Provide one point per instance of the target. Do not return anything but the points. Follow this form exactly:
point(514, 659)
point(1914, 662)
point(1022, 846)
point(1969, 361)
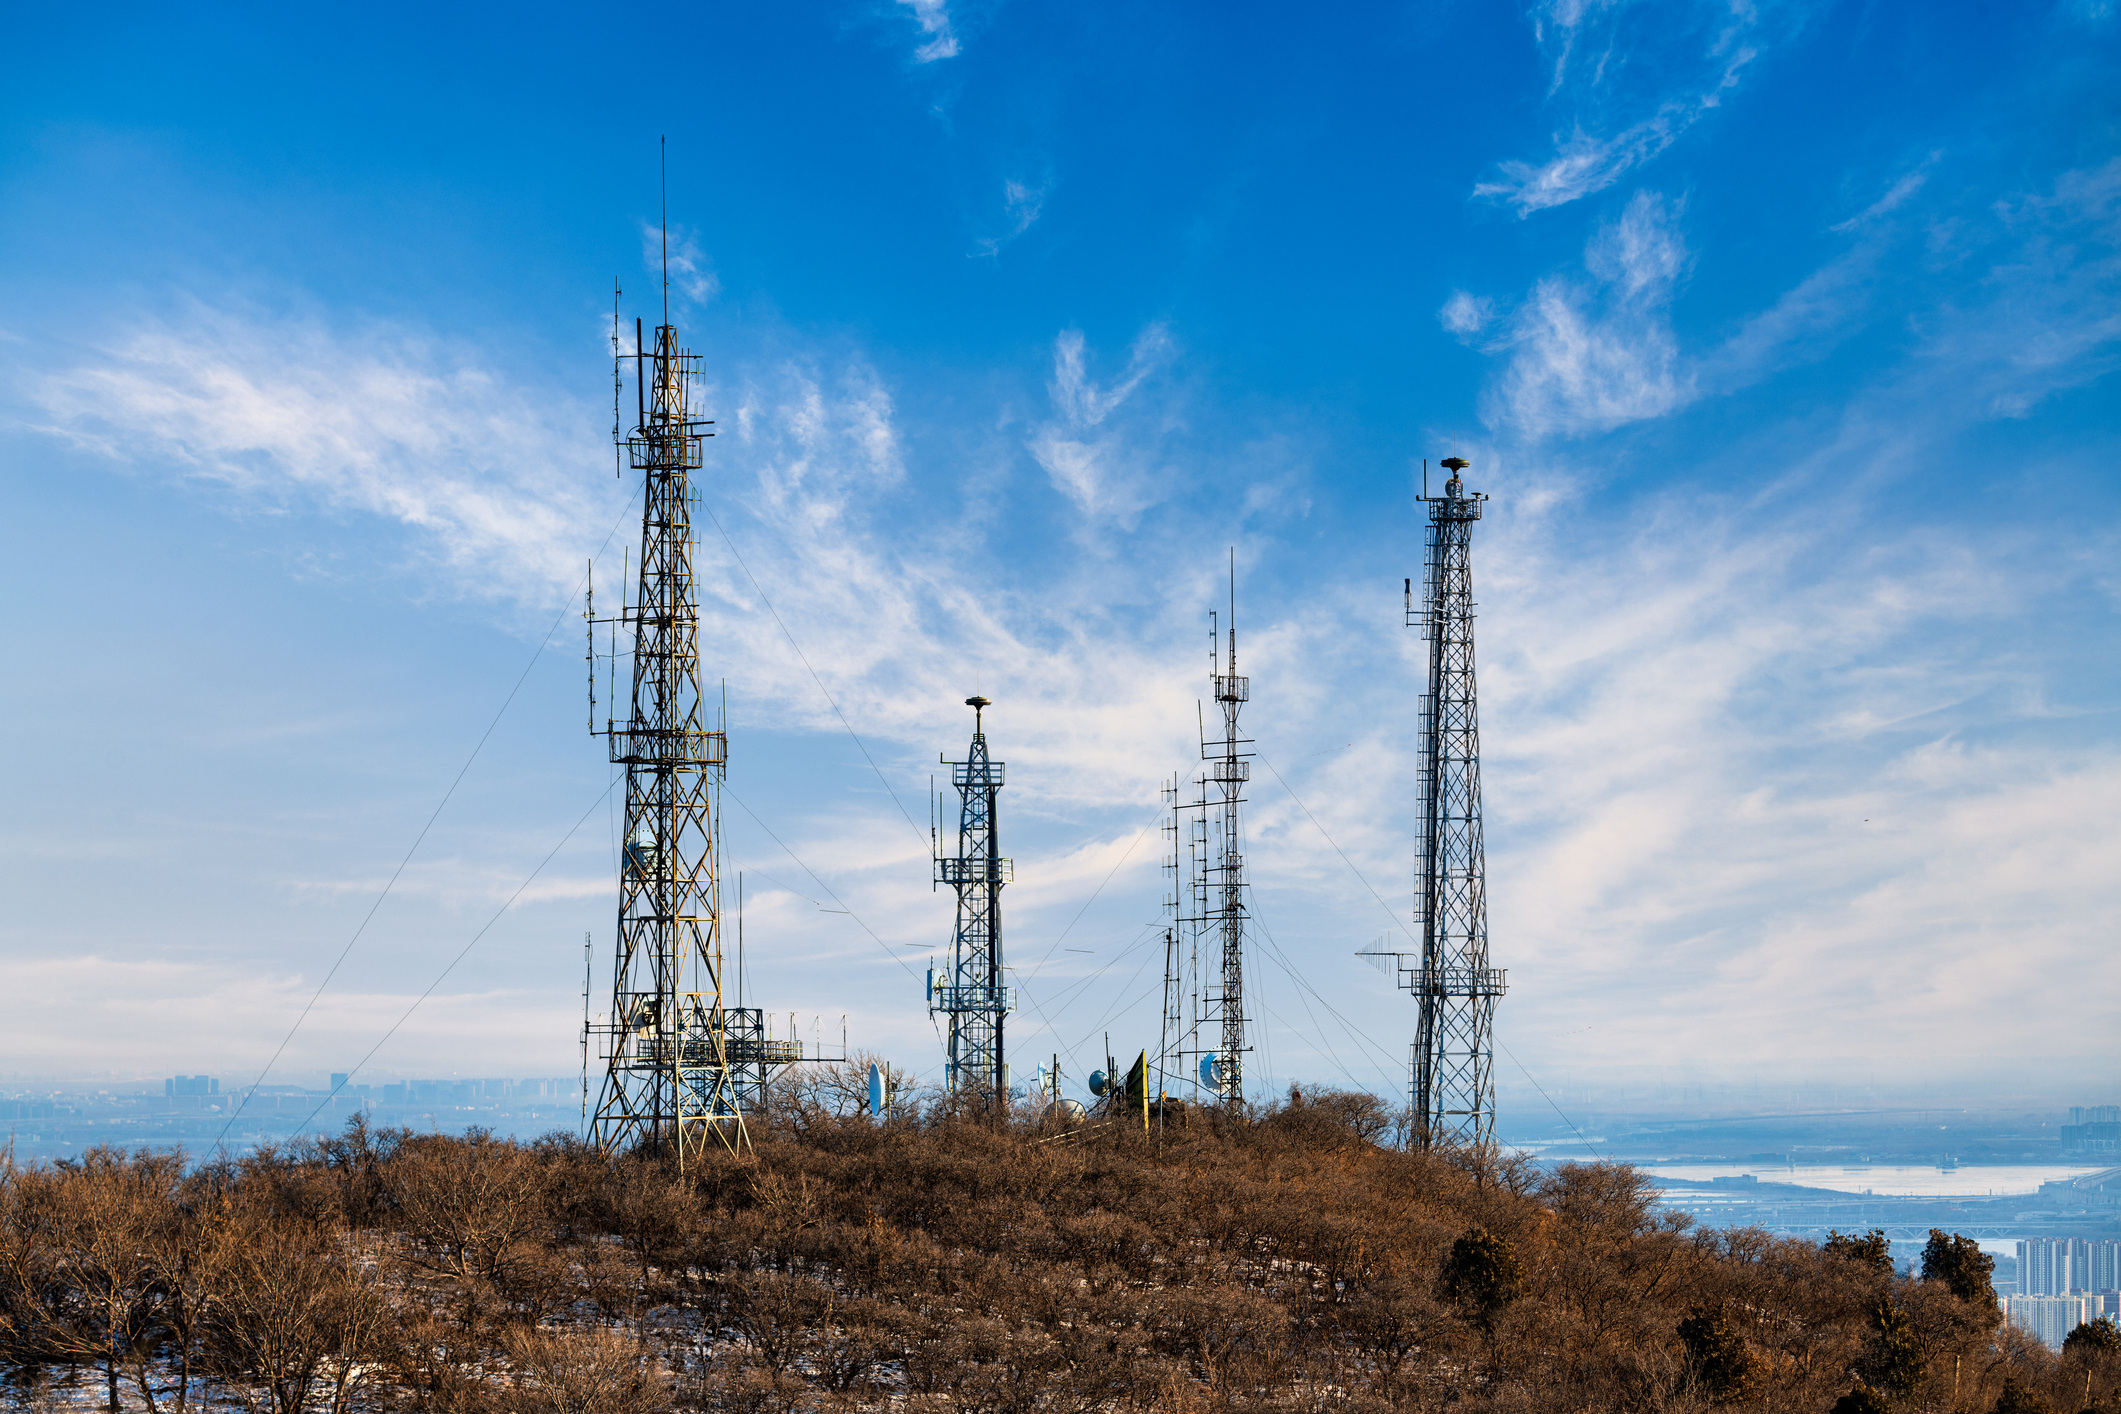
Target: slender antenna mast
point(665, 151)
point(1171, 1040)
point(1216, 846)
point(586, 965)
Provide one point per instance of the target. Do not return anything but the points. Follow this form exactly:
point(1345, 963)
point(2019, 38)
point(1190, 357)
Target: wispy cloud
point(1466, 314)
point(1021, 205)
point(1724, 702)
point(384, 421)
point(933, 17)
point(692, 276)
point(1591, 355)
point(1584, 163)
point(2046, 316)
point(1895, 197)
point(1588, 353)
point(502, 489)
point(1110, 472)
point(1694, 59)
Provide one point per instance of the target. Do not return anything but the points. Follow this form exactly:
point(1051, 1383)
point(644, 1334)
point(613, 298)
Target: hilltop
point(1284, 1259)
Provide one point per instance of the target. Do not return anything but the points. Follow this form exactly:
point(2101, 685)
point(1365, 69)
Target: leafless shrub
point(582, 1372)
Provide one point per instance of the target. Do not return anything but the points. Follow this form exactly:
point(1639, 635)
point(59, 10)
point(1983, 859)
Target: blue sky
point(1784, 337)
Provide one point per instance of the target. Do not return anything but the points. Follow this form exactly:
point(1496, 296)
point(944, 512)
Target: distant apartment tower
point(2057, 1266)
point(190, 1085)
point(2093, 1129)
point(2050, 1319)
point(2095, 1263)
point(2044, 1266)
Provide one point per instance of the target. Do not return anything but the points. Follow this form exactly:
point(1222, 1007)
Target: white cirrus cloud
point(383, 420)
point(1591, 355)
point(1021, 204)
point(1603, 53)
point(940, 39)
point(1466, 314)
point(2038, 311)
point(1108, 465)
point(677, 252)
point(1896, 196)
point(500, 490)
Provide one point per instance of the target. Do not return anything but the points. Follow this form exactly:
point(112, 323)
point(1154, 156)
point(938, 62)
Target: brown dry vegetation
point(1285, 1260)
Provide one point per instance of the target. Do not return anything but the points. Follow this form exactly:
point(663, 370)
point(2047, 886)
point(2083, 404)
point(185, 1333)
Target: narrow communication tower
point(1173, 1035)
point(972, 993)
point(681, 1068)
point(1216, 846)
point(1452, 1081)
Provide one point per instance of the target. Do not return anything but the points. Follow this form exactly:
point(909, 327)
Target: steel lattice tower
point(1452, 1085)
point(972, 994)
point(680, 1067)
point(1216, 845)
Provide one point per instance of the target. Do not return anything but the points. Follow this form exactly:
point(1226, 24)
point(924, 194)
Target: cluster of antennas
point(683, 1065)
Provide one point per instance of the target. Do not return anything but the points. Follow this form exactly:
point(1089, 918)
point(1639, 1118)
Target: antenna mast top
point(663, 147)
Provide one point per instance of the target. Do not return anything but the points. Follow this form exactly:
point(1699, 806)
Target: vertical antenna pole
point(663, 147)
point(589, 617)
point(586, 966)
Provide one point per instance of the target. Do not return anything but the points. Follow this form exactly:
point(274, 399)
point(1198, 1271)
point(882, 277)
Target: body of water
point(1889, 1180)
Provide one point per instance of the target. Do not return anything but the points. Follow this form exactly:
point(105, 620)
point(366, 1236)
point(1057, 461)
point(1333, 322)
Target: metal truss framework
point(1209, 963)
point(681, 1068)
point(1452, 1080)
point(972, 993)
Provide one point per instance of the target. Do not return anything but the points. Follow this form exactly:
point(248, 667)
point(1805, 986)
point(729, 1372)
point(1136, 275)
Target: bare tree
point(82, 1286)
point(470, 1206)
point(294, 1314)
point(586, 1372)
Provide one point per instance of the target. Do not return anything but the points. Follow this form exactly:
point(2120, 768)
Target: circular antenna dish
point(978, 702)
point(1098, 1084)
point(1454, 463)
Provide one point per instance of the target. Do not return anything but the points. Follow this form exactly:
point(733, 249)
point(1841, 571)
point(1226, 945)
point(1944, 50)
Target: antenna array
point(680, 1066)
point(1208, 968)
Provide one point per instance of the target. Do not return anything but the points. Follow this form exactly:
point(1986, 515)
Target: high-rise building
point(2093, 1129)
point(2050, 1319)
point(2102, 1264)
point(2044, 1266)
